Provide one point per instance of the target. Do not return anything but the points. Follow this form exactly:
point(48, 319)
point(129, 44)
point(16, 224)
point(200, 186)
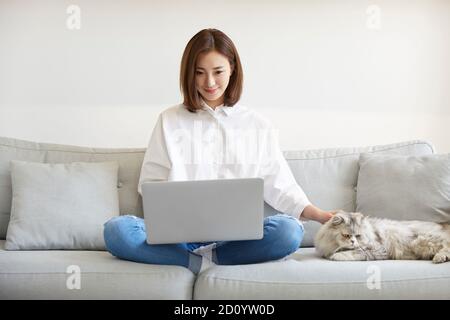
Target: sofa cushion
point(53, 274)
point(304, 275)
point(404, 187)
point(61, 206)
point(129, 159)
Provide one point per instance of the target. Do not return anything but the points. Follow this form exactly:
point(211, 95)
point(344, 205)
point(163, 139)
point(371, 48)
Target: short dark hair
point(205, 41)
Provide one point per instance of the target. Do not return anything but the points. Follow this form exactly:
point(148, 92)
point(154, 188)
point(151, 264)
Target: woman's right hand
point(312, 212)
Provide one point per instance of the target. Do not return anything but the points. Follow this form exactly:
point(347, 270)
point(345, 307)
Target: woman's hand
point(311, 212)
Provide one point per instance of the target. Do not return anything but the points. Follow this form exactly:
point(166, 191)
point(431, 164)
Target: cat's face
point(348, 229)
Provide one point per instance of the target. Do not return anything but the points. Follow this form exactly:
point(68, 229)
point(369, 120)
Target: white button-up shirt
point(221, 143)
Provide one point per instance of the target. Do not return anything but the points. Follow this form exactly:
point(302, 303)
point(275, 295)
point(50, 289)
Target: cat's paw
point(349, 255)
point(440, 258)
point(341, 256)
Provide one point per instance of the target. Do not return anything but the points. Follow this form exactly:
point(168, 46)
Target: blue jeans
point(126, 238)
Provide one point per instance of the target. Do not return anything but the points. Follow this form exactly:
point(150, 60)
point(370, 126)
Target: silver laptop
point(203, 210)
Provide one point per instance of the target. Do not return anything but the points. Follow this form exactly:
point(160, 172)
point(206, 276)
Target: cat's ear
point(359, 216)
point(337, 220)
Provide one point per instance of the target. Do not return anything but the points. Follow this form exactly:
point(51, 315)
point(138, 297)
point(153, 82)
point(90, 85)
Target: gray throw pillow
point(404, 187)
point(61, 206)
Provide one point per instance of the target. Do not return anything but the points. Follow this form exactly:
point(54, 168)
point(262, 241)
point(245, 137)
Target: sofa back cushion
point(129, 161)
point(328, 176)
point(61, 206)
point(404, 187)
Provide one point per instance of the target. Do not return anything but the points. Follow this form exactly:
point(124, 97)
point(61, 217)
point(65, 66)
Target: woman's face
point(212, 75)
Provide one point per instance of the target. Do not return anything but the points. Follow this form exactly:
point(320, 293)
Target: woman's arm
point(312, 212)
point(282, 191)
point(156, 164)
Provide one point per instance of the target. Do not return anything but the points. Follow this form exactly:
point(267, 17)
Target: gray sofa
point(329, 178)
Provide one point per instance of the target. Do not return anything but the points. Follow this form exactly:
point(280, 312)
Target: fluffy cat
point(351, 236)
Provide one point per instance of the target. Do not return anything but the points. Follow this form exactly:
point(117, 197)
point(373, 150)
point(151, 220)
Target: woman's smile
point(211, 91)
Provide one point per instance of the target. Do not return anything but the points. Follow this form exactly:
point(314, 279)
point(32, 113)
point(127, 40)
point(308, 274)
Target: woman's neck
point(214, 104)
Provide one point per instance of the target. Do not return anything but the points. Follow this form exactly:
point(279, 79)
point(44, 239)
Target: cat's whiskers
point(364, 251)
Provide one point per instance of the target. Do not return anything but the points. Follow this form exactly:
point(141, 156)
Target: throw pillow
point(404, 187)
point(61, 206)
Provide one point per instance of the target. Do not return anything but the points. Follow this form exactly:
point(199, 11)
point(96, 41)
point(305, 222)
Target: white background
point(328, 73)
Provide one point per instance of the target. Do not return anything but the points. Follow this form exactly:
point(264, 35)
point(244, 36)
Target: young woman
point(212, 136)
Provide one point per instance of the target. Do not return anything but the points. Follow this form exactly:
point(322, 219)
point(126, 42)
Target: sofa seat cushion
point(304, 275)
point(45, 274)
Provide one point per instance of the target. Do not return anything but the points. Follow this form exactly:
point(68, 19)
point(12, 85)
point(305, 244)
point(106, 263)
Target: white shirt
point(225, 143)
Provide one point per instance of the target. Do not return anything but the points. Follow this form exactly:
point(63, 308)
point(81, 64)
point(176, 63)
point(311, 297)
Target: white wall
point(329, 73)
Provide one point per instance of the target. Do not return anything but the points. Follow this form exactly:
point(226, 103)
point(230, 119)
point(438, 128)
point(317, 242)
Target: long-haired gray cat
point(351, 236)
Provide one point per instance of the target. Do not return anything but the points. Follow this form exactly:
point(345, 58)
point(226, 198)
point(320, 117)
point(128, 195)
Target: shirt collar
point(221, 108)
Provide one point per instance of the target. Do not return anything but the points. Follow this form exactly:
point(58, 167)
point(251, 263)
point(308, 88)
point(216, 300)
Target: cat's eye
point(346, 236)
point(358, 236)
